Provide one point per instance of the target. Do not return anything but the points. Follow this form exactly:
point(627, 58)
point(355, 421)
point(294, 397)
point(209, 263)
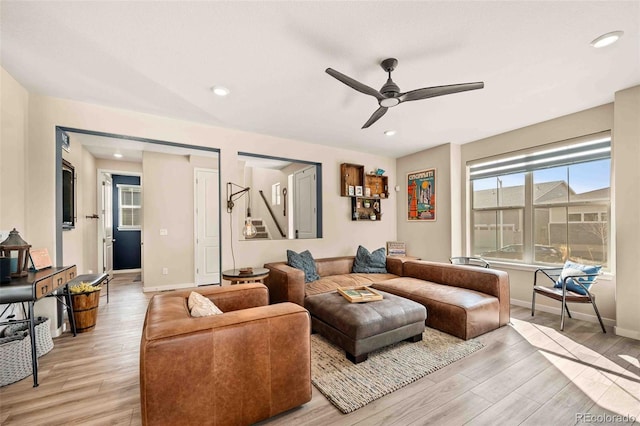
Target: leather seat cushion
point(459, 311)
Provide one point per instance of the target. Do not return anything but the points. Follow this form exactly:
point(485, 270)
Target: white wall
point(167, 202)
point(14, 111)
point(14, 105)
point(120, 166)
point(80, 243)
point(626, 157)
point(341, 236)
point(430, 240)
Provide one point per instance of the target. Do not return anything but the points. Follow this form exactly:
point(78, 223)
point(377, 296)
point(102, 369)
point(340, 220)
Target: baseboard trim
point(168, 288)
point(625, 332)
point(126, 271)
point(556, 310)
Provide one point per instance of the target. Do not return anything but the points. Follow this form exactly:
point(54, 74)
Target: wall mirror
point(284, 199)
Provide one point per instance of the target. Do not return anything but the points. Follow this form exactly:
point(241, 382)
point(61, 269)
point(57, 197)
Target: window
point(130, 207)
point(275, 194)
point(544, 206)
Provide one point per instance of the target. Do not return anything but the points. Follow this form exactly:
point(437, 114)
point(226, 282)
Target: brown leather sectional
point(248, 364)
point(464, 301)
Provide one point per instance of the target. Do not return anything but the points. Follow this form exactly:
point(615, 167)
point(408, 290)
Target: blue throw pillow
point(571, 269)
point(305, 262)
point(370, 263)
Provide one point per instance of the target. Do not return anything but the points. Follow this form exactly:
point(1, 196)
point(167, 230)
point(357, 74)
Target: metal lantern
point(15, 243)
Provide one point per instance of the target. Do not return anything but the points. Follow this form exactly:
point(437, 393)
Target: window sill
point(606, 276)
point(121, 229)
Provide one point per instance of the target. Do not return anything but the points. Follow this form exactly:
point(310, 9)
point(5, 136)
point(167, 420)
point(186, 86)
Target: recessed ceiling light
point(220, 90)
point(607, 39)
point(117, 155)
point(389, 132)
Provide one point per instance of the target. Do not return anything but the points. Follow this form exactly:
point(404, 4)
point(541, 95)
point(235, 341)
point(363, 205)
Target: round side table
point(257, 276)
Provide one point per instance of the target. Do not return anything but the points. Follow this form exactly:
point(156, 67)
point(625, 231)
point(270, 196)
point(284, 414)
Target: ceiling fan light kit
point(390, 95)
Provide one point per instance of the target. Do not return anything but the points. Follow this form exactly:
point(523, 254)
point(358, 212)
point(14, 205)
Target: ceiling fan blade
point(375, 116)
point(430, 92)
point(362, 88)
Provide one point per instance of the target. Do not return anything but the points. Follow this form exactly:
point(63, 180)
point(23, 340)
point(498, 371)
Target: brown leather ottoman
point(360, 328)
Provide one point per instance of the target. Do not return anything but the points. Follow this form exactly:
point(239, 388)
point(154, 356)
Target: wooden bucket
point(85, 310)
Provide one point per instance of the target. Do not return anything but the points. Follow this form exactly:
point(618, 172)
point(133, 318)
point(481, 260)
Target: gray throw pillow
point(370, 263)
point(305, 262)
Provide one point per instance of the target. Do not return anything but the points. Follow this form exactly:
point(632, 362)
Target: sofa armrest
point(228, 298)
point(285, 283)
point(394, 265)
point(236, 368)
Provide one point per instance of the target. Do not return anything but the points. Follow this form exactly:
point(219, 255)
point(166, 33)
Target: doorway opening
point(143, 197)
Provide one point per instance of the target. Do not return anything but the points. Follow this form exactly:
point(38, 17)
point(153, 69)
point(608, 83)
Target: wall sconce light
point(248, 230)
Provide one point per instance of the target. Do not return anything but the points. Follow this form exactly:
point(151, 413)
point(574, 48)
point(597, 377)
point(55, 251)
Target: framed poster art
point(421, 195)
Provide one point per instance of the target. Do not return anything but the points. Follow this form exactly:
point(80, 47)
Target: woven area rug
point(351, 386)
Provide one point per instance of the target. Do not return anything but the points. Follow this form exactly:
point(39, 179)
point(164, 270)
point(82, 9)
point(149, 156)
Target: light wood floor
point(528, 373)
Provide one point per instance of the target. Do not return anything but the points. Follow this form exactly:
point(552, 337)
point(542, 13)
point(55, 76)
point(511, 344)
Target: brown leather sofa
point(245, 365)
point(464, 301)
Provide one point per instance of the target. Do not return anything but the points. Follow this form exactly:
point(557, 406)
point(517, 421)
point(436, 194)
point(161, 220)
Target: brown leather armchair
point(240, 367)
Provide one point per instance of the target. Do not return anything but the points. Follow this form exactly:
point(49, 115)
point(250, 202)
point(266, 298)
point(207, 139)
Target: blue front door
point(127, 251)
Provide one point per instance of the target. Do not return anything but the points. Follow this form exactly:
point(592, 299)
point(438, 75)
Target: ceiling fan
point(390, 95)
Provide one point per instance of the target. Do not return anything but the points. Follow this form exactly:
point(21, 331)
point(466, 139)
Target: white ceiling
point(162, 58)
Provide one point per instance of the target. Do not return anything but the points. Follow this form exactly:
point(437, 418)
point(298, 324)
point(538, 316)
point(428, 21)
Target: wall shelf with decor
point(366, 191)
point(365, 208)
point(376, 186)
point(355, 183)
point(351, 177)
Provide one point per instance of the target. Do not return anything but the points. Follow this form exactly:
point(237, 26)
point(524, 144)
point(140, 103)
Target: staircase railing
point(266, 203)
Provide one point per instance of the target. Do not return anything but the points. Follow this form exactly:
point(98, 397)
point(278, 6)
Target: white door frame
point(100, 228)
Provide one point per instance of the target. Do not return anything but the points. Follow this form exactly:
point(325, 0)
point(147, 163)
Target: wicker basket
point(15, 358)
point(44, 342)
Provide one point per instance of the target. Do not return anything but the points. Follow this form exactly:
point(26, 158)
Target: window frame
point(529, 208)
point(131, 188)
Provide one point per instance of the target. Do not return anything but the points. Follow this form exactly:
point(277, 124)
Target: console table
point(32, 288)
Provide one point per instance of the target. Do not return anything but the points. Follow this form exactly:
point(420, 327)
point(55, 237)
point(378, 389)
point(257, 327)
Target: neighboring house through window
point(544, 206)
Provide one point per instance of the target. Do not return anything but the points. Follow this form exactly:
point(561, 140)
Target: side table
point(256, 276)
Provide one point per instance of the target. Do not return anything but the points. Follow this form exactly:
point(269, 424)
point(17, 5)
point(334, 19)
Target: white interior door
point(207, 232)
point(106, 215)
point(304, 203)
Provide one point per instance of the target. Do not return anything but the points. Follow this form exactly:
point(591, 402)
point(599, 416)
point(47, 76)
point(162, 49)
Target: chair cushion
point(571, 269)
point(370, 263)
point(303, 261)
point(556, 293)
point(200, 306)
